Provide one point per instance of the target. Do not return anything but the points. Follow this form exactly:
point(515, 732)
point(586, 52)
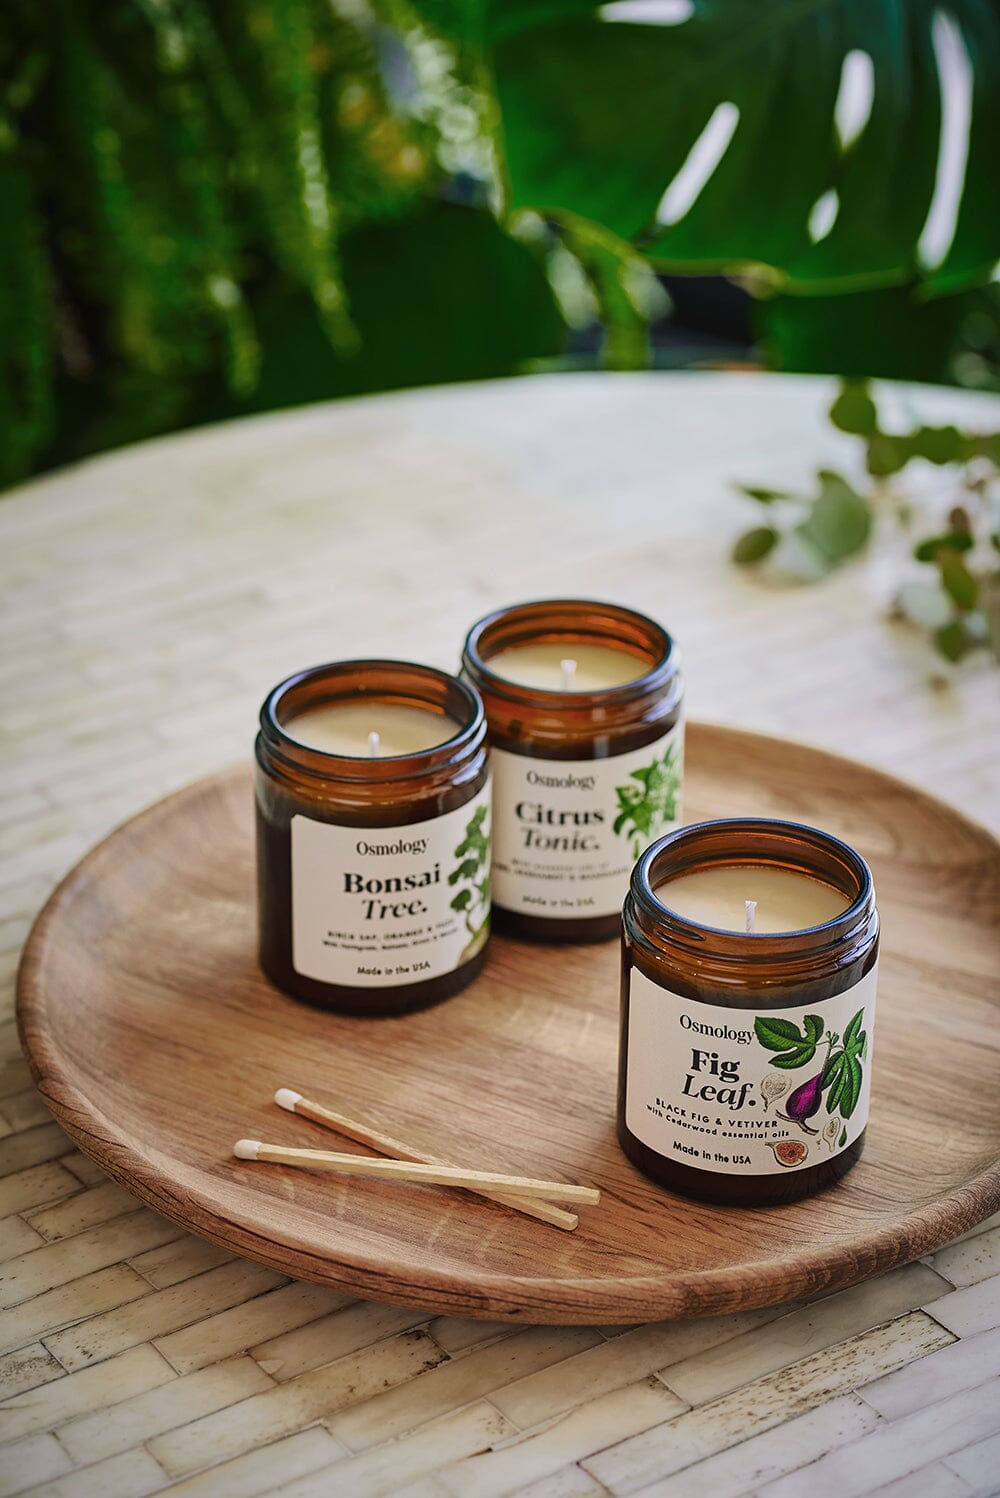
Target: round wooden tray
point(157, 1043)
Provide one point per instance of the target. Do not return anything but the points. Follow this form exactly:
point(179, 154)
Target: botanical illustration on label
point(748, 1093)
point(567, 832)
point(374, 907)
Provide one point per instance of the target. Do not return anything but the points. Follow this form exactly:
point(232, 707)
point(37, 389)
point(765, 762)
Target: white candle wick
point(568, 674)
point(374, 744)
point(751, 910)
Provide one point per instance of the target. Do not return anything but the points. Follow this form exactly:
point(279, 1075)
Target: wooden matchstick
point(385, 1144)
point(404, 1170)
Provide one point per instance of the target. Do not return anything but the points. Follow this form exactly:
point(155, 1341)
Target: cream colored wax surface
point(597, 667)
point(786, 901)
point(345, 728)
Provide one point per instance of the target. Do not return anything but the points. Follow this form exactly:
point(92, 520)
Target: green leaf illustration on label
point(837, 1084)
point(646, 807)
point(472, 874)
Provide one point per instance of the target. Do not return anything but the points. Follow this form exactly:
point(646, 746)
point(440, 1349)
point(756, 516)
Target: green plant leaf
point(650, 804)
point(952, 640)
point(928, 549)
point(839, 521)
point(893, 332)
point(982, 445)
point(843, 1138)
point(854, 410)
point(831, 1071)
point(839, 1082)
point(854, 1030)
point(763, 496)
point(958, 581)
point(851, 1090)
point(777, 1034)
point(937, 444)
point(599, 114)
point(754, 545)
point(462, 900)
point(814, 1025)
point(800, 1056)
point(886, 455)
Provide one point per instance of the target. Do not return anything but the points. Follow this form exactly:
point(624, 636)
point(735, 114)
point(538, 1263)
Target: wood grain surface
point(148, 598)
point(156, 1042)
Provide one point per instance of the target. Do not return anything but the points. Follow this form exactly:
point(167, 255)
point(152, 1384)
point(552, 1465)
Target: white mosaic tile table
point(148, 600)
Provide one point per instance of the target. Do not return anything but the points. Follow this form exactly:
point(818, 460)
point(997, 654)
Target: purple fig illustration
point(803, 1103)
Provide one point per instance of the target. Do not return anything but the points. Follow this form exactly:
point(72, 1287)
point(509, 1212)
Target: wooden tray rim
point(543, 1301)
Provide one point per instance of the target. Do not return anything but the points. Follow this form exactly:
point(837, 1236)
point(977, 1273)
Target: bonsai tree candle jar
point(748, 1004)
point(373, 814)
point(583, 702)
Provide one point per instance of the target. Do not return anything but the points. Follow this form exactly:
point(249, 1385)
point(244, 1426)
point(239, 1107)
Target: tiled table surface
point(148, 600)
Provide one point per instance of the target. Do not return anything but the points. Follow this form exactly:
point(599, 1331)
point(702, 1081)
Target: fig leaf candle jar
point(749, 967)
point(373, 812)
point(583, 702)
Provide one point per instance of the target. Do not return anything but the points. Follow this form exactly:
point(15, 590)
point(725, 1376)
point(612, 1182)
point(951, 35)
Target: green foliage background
point(210, 207)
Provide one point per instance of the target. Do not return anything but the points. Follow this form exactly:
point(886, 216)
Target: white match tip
point(286, 1098)
point(751, 912)
point(246, 1149)
point(568, 668)
point(374, 745)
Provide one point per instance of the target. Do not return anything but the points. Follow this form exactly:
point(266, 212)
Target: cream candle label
point(567, 832)
point(744, 1092)
point(374, 907)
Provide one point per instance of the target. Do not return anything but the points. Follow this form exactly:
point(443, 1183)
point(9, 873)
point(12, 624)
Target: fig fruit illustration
point(790, 1152)
point(772, 1088)
point(803, 1103)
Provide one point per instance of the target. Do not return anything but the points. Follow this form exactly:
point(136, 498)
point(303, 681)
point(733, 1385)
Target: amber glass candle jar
point(583, 702)
point(372, 791)
point(745, 1059)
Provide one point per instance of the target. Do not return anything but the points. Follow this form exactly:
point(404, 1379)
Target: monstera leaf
point(843, 133)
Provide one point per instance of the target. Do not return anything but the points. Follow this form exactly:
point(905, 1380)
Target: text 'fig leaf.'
point(600, 116)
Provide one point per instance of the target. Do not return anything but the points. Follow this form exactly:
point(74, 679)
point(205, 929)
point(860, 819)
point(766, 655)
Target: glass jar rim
point(657, 675)
point(739, 945)
point(455, 698)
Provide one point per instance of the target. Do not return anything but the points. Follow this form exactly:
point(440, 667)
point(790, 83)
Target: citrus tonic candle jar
point(583, 702)
point(748, 1003)
point(373, 813)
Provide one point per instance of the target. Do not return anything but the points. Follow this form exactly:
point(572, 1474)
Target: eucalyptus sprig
point(819, 532)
